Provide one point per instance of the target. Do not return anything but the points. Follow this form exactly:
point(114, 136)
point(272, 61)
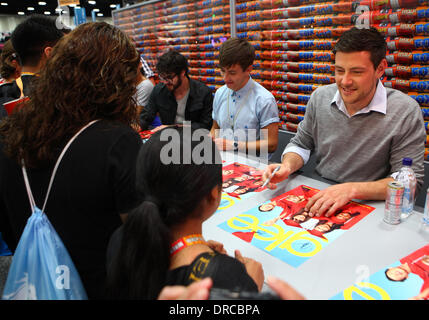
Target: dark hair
point(32, 36)
point(355, 40)
point(229, 181)
point(91, 74)
point(172, 195)
point(249, 189)
point(331, 228)
point(172, 62)
point(236, 51)
point(8, 55)
point(259, 208)
point(352, 214)
point(386, 273)
point(301, 212)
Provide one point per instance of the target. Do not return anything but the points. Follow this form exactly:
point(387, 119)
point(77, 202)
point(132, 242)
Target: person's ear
point(14, 63)
point(381, 67)
point(215, 194)
point(214, 197)
point(182, 74)
point(17, 67)
point(47, 51)
point(212, 200)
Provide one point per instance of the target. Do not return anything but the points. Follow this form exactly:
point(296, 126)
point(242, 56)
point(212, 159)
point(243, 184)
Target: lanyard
point(232, 123)
point(184, 242)
point(20, 84)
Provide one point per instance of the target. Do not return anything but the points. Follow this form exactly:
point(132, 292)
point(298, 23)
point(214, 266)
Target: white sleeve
point(303, 153)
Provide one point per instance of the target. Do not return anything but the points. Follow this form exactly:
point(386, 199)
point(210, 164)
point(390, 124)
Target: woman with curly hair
point(91, 75)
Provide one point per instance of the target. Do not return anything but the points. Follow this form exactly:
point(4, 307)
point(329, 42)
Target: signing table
point(367, 247)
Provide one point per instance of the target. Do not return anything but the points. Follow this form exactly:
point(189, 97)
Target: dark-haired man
point(358, 130)
point(33, 40)
point(178, 98)
point(245, 114)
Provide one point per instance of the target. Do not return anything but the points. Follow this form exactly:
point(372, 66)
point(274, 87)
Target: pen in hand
point(272, 175)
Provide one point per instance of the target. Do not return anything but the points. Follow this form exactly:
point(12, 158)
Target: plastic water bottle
point(407, 176)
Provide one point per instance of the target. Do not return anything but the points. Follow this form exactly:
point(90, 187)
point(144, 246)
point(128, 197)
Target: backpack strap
point(27, 186)
point(24, 171)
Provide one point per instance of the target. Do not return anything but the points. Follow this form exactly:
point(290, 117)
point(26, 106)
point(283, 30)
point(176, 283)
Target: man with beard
point(177, 98)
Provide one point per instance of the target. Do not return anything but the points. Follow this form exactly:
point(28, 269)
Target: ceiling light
point(91, 2)
point(96, 10)
point(42, 3)
point(99, 14)
point(113, 6)
point(30, 8)
point(47, 13)
point(21, 13)
point(4, 4)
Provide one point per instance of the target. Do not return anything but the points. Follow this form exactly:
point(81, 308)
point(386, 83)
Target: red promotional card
point(11, 105)
point(284, 229)
point(404, 279)
point(146, 134)
point(293, 213)
point(240, 179)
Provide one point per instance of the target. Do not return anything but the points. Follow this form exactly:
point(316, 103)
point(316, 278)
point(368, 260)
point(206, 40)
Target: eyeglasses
point(167, 78)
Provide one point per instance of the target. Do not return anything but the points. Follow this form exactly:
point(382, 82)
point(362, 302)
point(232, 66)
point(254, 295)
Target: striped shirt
point(146, 69)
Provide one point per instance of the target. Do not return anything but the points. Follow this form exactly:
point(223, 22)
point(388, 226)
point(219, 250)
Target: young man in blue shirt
point(242, 107)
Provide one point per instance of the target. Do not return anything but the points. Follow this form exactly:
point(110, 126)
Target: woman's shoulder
point(109, 128)
point(107, 134)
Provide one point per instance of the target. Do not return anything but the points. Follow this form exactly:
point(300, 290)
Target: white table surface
point(367, 247)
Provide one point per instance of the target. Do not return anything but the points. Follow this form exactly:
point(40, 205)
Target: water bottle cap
point(407, 161)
